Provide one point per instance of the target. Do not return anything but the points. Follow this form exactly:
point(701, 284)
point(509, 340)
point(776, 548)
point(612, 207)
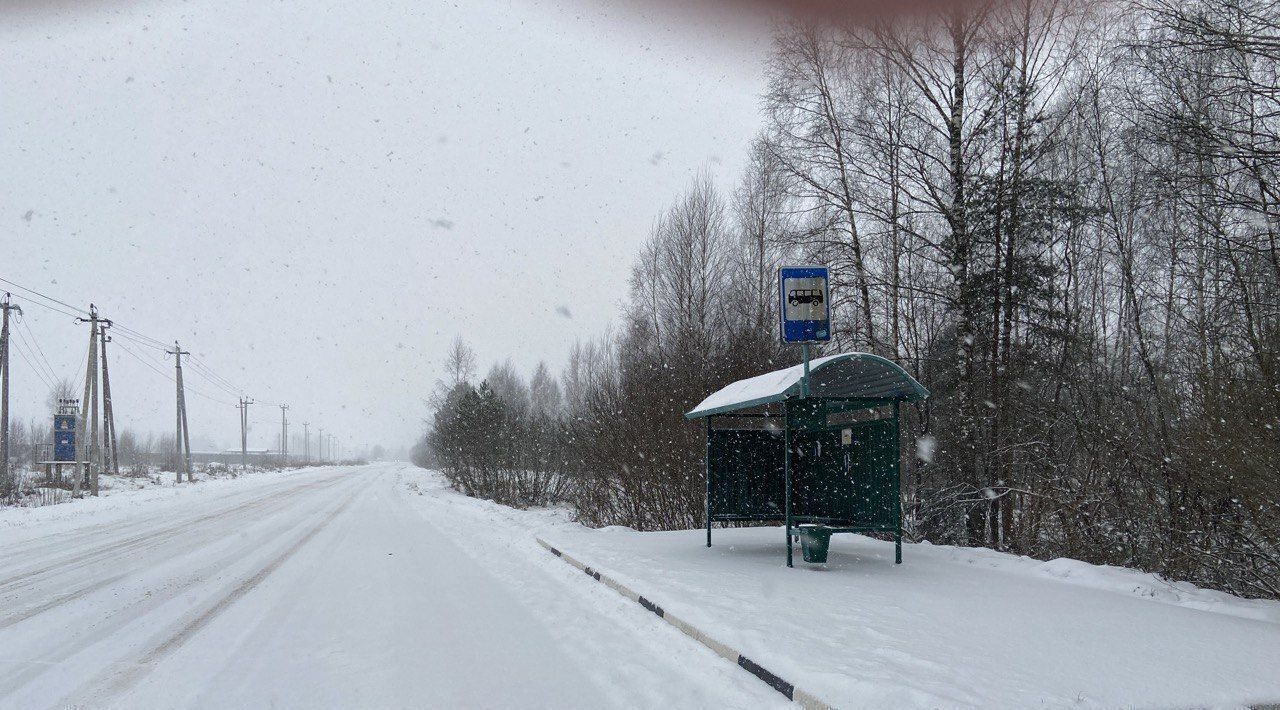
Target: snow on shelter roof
point(845, 376)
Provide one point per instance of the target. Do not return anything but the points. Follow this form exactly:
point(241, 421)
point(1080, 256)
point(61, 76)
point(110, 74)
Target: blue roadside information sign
point(805, 304)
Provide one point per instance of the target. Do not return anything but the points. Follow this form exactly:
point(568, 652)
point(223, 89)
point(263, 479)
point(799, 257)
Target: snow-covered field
point(378, 586)
point(322, 587)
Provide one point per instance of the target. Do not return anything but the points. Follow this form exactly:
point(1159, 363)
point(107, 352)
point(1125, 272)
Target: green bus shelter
point(819, 451)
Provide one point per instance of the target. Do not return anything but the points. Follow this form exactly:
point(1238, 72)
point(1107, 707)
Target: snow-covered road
point(327, 587)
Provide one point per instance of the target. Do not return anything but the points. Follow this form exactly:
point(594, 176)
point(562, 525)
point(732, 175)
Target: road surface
point(329, 587)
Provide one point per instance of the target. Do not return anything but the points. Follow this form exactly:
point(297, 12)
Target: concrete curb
point(806, 699)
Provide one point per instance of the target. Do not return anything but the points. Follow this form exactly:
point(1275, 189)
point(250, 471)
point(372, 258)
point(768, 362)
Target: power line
point(150, 341)
point(143, 360)
point(169, 377)
point(123, 333)
point(78, 310)
point(47, 369)
point(201, 369)
point(155, 358)
point(42, 304)
point(208, 371)
point(134, 336)
point(214, 378)
point(211, 398)
point(18, 345)
point(36, 341)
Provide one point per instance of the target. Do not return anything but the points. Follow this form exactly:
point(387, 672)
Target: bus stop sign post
point(804, 306)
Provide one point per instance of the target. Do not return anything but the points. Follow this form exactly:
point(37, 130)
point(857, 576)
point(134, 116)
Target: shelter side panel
point(747, 472)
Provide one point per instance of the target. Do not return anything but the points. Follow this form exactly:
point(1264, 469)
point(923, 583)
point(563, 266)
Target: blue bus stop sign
point(804, 304)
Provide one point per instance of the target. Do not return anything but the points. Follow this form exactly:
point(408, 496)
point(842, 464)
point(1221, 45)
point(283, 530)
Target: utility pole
point(244, 431)
point(82, 435)
point(306, 444)
point(4, 383)
point(87, 449)
point(182, 435)
point(320, 445)
point(108, 413)
point(95, 396)
point(284, 436)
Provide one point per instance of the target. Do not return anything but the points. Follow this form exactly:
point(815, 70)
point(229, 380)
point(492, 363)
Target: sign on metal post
point(805, 304)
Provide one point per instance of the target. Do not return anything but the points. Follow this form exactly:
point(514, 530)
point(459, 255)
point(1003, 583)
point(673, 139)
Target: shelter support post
point(897, 465)
point(786, 476)
point(707, 510)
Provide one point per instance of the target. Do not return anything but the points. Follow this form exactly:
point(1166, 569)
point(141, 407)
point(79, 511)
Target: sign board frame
point(815, 281)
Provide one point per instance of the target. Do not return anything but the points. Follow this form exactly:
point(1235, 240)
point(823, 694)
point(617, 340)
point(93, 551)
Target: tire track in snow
point(58, 601)
point(116, 679)
point(182, 545)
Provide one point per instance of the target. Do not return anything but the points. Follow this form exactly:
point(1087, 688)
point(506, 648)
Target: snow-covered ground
point(326, 587)
point(378, 586)
point(951, 627)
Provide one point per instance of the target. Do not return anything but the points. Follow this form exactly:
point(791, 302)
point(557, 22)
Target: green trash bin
point(814, 543)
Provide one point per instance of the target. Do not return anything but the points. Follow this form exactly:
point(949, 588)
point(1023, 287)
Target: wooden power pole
point(6, 480)
point(183, 437)
point(306, 444)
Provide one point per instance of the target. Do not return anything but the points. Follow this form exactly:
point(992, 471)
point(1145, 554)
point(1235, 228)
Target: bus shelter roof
point(844, 376)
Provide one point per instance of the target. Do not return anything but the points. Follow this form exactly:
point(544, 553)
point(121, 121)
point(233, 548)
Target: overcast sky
point(315, 202)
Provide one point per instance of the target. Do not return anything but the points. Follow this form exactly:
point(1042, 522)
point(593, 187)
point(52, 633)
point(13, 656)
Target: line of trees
point(1062, 216)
